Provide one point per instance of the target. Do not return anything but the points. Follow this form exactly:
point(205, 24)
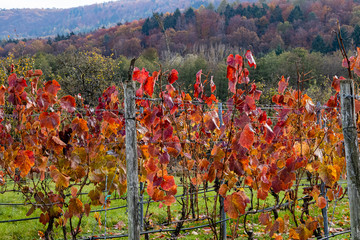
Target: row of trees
point(89, 72)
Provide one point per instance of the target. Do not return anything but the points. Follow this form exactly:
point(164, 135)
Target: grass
point(29, 229)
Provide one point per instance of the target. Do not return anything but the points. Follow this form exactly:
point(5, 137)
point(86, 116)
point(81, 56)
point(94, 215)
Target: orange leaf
point(73, 191)
point(24, 160)
point(49, 120)
point(235, 204)
point(60, 179)
point(52, 87)
point(168, 182)
point(169, 200)
point(321, 202)
point(37, 72)
point(79, 126)
point(247, 137)
point(2, 95)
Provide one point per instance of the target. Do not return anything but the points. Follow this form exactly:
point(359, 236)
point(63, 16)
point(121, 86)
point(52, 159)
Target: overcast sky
point(47, 3)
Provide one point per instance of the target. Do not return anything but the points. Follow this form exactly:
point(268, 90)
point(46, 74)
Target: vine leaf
point(173, 76)
point(49, 120)
point(2, 95)
point(321, 202)
point(140, 76)
point(283, 83)
point(250, 58)
point(149, 86)
point(247, 137)
point(76, 207)
point(61, 180)
point(212, 85)
point(24, 160)
point(52, 87)
point(68, 103)
point(235, 204)
point(168, 182)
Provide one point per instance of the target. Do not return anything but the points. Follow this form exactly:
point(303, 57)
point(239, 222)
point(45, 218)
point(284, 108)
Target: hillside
point(262, 27)
point(30, 23)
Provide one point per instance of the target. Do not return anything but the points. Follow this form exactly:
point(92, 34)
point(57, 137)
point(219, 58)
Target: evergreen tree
point(189, 15)
point(345, 37)
point(356, 35)
point(296, 14)
point(276, 15)
point(318, 45)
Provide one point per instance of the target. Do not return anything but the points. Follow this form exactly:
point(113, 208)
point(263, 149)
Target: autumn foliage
point(248, 154)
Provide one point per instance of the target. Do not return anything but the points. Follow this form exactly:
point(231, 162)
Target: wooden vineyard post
point(222, 209)
point(322, 186)
point(131, 158)
point(351, 154)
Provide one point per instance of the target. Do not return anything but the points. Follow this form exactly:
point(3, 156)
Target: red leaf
point(34, 83)
point(44, 218)
point(52, 87)
point(149, 86)
point(283, 84)
point(68, 103)
point(269, 134)
point(198, 77)
point(238, 61)
point(231, 61)
point(247, 137)
point(257, 94)
point(250, 102)
point(49, 120)
point(198, 88)
point(250, 58)
point(173, 76)
point(232, 79)
point(43, 100)
point(212, 85)
point(73, 191)
point(140, 76)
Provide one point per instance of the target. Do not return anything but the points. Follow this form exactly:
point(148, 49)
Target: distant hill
point(32, 23)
